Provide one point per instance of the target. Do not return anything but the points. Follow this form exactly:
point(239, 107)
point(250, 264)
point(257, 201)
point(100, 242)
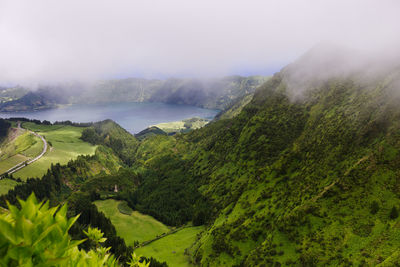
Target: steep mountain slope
point(302, 176)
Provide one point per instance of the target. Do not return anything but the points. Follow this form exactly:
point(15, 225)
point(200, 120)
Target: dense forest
point(4, 127)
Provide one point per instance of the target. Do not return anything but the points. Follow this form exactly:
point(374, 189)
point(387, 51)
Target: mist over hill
point(215, 93)
point(309, 180)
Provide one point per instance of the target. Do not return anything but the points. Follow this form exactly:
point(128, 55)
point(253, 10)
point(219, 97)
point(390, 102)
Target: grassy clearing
point(172, 247)
point(65, 145)
point(132, 227)
point(6, 184)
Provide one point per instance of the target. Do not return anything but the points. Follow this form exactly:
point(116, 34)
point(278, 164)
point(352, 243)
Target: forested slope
point(305, 177)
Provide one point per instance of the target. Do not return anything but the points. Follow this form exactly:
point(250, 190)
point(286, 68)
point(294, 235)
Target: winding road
point(21, 165)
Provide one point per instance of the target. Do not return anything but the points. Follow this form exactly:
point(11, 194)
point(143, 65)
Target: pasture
point(133, 227)
point(64, 145)
point(171, 248)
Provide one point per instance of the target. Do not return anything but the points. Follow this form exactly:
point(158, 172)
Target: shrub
point(374, 207)
point(393, 213)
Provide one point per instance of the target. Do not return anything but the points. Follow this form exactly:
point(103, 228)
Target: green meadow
point(140, 227)
point(19, 146)
point(171, 248)
point(133, 227)
point(64, 145)
point(11, 162)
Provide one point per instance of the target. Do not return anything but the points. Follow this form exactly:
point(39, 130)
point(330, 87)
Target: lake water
point(134, 117)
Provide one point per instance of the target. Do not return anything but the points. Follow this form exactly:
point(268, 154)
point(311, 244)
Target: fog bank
point(55, 41)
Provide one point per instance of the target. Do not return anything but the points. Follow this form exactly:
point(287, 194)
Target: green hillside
point(304, 180)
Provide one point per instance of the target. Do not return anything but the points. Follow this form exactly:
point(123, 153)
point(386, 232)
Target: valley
point(199, 133)
point(275, 179)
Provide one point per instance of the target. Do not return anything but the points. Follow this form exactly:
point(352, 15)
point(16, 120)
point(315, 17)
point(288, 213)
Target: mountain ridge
point(215, 93)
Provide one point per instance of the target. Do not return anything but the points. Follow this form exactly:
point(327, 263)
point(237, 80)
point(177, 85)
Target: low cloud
point(47, 41)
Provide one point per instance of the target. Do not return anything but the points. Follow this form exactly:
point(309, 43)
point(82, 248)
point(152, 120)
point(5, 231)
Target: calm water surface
point(134, 117)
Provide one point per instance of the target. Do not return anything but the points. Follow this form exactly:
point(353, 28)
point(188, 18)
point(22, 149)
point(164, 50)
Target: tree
point(374, 207)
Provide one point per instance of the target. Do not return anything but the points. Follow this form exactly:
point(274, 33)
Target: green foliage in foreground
point(36, 235)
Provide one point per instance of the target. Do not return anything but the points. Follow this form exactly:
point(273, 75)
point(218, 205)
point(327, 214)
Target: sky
point(46, 41)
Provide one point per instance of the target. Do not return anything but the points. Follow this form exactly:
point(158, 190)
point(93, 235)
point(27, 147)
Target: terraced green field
point(132, 227)
point(171, 248)
point(64, 145)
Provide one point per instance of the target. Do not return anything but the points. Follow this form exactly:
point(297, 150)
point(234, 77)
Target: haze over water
point(134, 117)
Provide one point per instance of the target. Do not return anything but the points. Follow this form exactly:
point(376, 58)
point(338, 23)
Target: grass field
point(172, 247)
point(19, 146)
point(20, 142)
point(65, 145)
point(6, 164)
point(6, 184)
point(132, 227)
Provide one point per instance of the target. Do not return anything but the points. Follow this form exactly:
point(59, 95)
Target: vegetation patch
point(7, 184)
point(124, 208)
